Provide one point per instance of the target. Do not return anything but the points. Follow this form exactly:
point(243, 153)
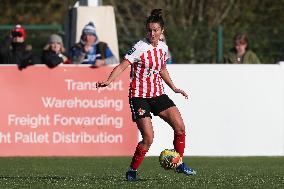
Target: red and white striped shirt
point(146, 64)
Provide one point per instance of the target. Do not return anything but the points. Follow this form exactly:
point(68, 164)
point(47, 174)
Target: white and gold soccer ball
point(170, 159)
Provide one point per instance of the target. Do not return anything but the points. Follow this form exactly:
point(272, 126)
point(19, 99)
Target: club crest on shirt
point(130, 51)
point(141, 111)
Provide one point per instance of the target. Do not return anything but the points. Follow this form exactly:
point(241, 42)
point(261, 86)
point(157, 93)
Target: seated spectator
point(169, 60)
point(14, 50)
point(240, 53)
point(90, 50)
point(53, 52)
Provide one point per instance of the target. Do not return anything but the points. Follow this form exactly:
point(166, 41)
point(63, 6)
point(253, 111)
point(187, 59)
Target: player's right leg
point(145, 127)
point(142, 116)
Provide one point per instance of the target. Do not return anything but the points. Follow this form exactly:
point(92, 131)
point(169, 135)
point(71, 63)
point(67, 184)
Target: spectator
point(90, 50)
point(53, 52)
point(14, 50)
point(240, 53)
point(170, 59)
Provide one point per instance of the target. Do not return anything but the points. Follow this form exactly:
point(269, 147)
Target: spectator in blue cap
point(90, 50)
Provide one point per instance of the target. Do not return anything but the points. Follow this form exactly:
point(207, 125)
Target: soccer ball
point(169, 159)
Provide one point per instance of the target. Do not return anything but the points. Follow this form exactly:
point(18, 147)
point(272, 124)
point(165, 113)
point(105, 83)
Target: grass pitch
point(109, 172)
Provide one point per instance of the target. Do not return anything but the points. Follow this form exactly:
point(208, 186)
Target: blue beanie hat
point(89, 29)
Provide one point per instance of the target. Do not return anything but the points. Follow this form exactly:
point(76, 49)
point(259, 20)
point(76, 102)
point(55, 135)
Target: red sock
point(138, 157)
point(179, 143)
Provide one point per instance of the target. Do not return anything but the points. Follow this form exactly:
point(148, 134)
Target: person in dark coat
point(54, 52)
point(14, 50)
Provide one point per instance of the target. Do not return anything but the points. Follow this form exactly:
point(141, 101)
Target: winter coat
point(248, 58)
point(99, 50)
point(16, 53)
point(51, 59)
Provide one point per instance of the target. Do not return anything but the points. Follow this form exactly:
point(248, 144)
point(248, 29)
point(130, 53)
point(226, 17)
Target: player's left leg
point(166, 109)
point(173, 117)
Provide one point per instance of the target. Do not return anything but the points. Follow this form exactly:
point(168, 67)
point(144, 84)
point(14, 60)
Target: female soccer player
point(146, 94)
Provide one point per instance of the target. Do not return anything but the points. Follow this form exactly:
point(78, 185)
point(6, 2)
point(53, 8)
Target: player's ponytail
point(156, 17)
point(156, 12)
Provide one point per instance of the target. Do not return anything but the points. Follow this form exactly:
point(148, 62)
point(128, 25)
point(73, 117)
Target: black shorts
point(142, 107)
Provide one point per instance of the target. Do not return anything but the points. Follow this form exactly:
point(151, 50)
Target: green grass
point(106, 172)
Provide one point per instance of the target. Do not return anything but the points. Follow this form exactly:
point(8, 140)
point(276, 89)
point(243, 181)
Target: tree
point(191, 25)
point(34, 11)
point(188, 22)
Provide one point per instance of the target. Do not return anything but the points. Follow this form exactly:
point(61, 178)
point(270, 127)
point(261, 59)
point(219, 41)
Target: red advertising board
point(60, 112)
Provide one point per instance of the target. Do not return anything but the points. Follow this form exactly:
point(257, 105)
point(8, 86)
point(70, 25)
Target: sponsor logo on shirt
point(130, 51)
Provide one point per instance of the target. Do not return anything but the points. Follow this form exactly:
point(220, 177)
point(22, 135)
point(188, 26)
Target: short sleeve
point(133, 54)
point(166, 57)
point(167, 54)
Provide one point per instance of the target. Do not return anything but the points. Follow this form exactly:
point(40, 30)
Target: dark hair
point(241, 38)
point(156, 17)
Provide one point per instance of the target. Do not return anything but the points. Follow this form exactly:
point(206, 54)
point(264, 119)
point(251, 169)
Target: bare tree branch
point(120, 19)
point(226, 12)
point(200, 11)
point(193, 7)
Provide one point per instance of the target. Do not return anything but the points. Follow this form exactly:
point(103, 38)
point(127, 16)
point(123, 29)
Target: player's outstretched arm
point(115, 73)
point(166, 77)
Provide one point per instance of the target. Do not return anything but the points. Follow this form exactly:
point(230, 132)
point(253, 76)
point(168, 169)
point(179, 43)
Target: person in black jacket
point(14, 50)
point(53, 52)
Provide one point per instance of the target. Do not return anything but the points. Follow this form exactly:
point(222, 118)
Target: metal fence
point(202, 44)
point(187, 45)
